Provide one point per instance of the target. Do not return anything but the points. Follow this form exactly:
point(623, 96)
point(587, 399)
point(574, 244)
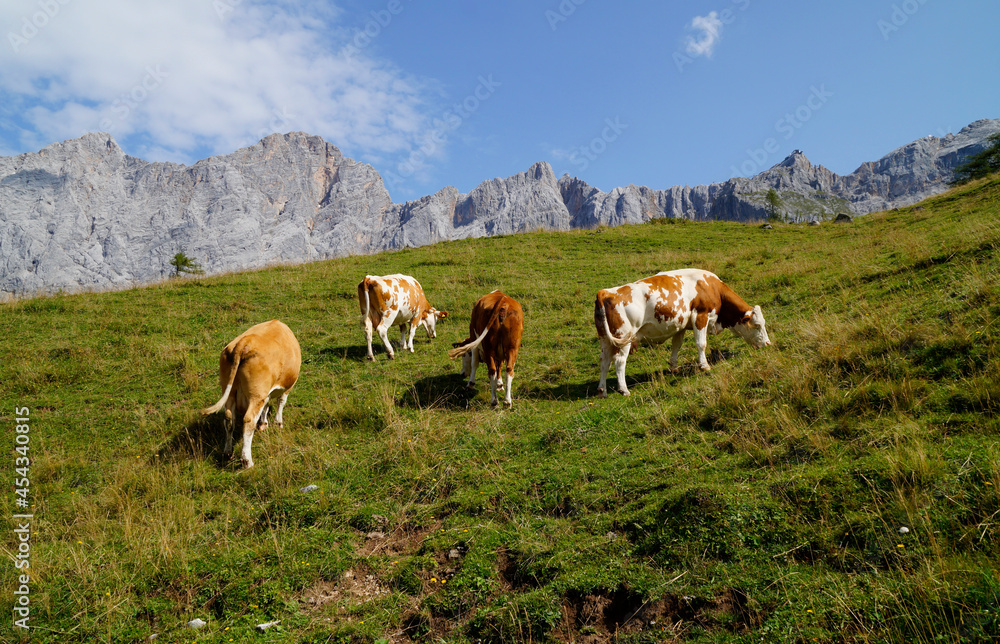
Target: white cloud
point(704, 44)
point(184, 78)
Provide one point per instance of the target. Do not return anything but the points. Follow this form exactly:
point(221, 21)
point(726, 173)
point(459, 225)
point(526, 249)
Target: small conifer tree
point(184, 264)
point(774, 204)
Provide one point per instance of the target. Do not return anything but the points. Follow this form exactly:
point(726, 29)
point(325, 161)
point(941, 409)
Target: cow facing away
point(494, 338)
point(261, 364)
point(663, 307)
point(391, 300)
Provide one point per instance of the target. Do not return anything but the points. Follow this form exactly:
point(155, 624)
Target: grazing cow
point(664, 306)
point(495, 338)
point(259, 365)
point(395, 299)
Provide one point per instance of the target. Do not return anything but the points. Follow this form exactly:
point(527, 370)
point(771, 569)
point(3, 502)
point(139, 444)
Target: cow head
point(431, 316)
point(751, 328)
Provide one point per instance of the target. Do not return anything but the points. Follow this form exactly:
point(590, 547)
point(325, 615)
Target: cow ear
point(442, 315)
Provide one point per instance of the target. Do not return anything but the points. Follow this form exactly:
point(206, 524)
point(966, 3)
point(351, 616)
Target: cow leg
point(466, 363)
point(506, 399)
point(383, 332)
point(494, 380)
point(675, 349)
point(473, 366)
point(413, 332)
point(254, 411)
point(281, 405)
point(602, 391)
point(511, 360)
point(701, 341)
point(229, 421)
point(368, 336)
point(621, 356)
point(227, 452)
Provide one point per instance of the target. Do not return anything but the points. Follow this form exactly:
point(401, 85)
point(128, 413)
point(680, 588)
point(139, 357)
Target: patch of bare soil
point(355, 586)
point(397, 541)
point(600, 618)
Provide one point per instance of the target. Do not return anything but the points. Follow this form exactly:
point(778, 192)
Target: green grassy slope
point(759, 502)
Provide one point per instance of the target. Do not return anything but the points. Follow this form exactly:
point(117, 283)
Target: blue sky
point(435, 93)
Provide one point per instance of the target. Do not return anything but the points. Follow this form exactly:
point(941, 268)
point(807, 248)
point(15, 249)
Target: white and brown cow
point(494, 338)
point(663, 307)
point(395, 299)
point(261, 364)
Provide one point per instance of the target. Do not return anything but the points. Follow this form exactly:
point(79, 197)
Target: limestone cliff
point(83, 215)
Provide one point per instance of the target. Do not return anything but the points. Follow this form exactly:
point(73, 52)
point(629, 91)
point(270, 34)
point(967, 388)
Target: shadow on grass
point(359, 352)
point(356, 353)
point(447, 391)
point(588, 389)
point(205, 438)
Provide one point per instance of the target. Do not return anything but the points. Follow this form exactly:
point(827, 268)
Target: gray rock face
point(902, 177)
point(83, 215)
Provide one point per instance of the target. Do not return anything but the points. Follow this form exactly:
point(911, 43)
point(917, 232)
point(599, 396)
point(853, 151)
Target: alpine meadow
point(841, 485)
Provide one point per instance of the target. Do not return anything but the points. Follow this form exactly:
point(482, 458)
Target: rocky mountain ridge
point(83, 215)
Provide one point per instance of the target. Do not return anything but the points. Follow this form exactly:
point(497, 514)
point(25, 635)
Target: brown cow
point(495, 338)
point(395, 299)
point(663, 307)
point(260, 364)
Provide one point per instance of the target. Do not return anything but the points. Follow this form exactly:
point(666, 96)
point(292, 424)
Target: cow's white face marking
point(430, 319)
point(430, 323)
point(753, 329)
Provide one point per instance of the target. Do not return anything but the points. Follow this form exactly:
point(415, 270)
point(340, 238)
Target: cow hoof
point(392, 356)
point(246, 464)
point(706, 368)
point(601, 393)
point(494, 404)
point(507, 404)
point(226, 456)
point(371, 358)
point(625, 392)
point(280, 426)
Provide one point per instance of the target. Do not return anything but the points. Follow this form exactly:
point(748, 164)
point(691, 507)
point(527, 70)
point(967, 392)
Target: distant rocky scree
point(83, 215)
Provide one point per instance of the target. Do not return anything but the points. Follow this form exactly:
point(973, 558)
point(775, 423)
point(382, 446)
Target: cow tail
point(499, 313)
point(462, 349)
point(364, 286)
point(233, 368)
point(602, 315)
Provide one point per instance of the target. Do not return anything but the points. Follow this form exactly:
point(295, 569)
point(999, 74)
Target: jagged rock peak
point(99, 145)
point(797, 159)
point(81, 214)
